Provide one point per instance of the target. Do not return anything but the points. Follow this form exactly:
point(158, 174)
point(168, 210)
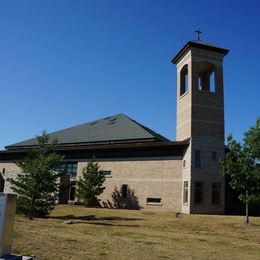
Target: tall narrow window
point(124, 190)
point(184, 163)
point(216, 193)
point(199, 192)
point(197, 158)
point(184, 80)
point(214, 155)
point(185, 192)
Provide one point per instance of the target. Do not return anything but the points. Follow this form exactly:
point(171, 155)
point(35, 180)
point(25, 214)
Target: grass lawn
point(126, 234)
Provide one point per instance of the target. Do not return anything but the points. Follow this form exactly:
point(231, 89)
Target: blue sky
point(64, 63)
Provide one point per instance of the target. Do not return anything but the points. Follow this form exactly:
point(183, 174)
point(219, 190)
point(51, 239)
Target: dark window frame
point(197, 158)
point(214, 155)
point(153, 200)
point(199, 192)
point(216, 193)
point(184, 163)
point(124, 191)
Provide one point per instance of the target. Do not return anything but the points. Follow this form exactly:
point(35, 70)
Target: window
point(216, 193)
point(185, 192)
point(71, 168)
point(124, 190)
point(197, 158)
point(214, 155)
point(105, 173)
point(184, 164)
point(199, 192)
point(68, 167)
point(153, 200)
point(184, 80)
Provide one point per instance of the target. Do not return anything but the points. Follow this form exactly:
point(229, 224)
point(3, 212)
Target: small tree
point(90, 184)
point(241, 163)
point(37, 186)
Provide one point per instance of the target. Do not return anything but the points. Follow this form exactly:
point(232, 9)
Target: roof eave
point(198, 45)
point(115, 146)
point(133, 141)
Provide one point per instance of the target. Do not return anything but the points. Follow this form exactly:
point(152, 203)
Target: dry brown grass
point(125, 234)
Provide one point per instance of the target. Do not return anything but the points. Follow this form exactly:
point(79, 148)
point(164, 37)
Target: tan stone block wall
point(146, 178)
point(184, 113)
point(209, 172)
point(208, 114)
point(208, 129)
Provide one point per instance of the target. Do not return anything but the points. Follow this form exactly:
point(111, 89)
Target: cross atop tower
point(198, 32)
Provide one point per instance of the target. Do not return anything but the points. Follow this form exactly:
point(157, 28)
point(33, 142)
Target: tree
point(90, 184)
point(37, 186)
point(241, 163)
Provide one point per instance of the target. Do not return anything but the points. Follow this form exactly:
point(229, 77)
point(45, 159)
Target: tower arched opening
point(206, 76)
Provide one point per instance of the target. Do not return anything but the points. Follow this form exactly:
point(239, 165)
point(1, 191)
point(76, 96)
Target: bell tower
point(200, 118)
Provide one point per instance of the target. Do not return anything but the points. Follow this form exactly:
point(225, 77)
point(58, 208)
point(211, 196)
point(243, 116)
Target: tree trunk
point(31, 205)
point(247, 216)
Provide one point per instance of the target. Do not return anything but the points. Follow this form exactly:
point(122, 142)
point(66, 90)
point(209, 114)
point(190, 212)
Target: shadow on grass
point(93, 220)
point(106, 224)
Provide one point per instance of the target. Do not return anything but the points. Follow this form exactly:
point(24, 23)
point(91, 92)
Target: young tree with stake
point(90, 184)
point(37, 186)
point(242, 164)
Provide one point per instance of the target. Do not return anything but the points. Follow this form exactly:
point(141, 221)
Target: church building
point(143, 169)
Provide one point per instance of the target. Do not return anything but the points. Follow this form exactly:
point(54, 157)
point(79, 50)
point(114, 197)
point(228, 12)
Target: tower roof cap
point(200, 45)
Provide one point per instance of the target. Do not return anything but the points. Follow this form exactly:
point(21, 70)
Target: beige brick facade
point(146, 178)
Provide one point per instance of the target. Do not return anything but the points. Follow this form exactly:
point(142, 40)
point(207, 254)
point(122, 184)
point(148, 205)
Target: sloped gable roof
point(117, 128)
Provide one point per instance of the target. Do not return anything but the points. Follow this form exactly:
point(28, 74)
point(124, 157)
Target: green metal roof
point(112, 129)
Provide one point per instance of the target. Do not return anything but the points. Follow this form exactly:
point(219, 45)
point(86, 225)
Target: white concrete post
point(7, 215)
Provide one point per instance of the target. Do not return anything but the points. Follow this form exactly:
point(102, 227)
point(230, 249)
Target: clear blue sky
point(64, 63)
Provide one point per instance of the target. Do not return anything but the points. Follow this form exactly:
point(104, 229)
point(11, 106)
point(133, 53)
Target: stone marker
point(7, 216)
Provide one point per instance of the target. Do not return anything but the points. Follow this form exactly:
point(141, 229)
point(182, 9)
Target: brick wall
point(161, 179)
